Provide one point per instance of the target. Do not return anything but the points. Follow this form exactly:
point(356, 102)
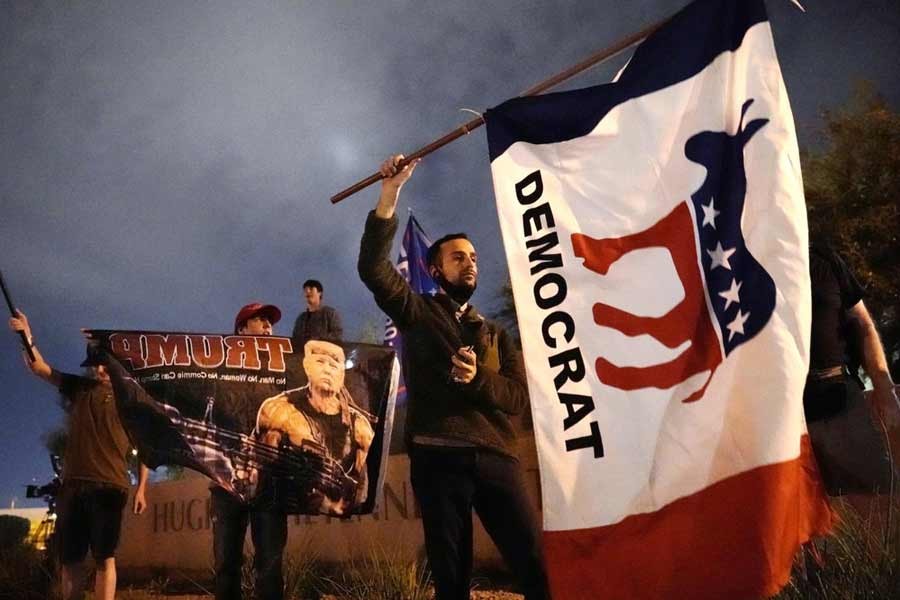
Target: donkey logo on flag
point(725, 277)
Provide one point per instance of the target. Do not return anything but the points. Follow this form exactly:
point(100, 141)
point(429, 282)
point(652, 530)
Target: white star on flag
point(709, 214)
point(731, 295)
point(720, 256)
point(737, 326)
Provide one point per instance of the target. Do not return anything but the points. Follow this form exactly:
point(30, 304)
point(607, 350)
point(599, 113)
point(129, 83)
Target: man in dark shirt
point(318, 321)
point(850, 451)
point(465, 381)
point(95, 478)
point(268, 526)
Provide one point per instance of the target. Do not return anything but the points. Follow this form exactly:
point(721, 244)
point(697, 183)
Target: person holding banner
point(465, 382)
point(95, 477)
point(230, 517)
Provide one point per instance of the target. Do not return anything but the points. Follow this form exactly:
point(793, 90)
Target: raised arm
point(39, 366)
point(392, 293)
point(393, 181)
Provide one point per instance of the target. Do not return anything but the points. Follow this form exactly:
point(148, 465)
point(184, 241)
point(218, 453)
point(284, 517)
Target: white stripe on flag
point(676, 340)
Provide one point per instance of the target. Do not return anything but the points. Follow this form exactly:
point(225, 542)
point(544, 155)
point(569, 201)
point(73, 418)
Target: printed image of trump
point(319, 427)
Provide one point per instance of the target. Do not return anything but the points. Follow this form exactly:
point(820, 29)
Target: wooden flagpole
point(547, 84)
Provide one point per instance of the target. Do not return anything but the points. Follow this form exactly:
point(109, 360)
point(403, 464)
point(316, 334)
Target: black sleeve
point(70, 388)
point(851, 290)
point(507, 389)
point(391, 291)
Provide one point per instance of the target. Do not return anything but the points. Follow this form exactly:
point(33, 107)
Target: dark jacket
point(478, 412)
point(324, 324)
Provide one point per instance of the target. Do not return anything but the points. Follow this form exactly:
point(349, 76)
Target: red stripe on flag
point(735, 539)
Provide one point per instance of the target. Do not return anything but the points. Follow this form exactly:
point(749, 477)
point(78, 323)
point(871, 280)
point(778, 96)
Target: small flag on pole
point(411, 263)
point(656, 236)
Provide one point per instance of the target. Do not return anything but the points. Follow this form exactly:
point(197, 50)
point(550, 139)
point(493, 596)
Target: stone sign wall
point(175, 533)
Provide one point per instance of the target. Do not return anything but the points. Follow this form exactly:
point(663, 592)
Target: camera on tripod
point(43, 491)
point(48, 491)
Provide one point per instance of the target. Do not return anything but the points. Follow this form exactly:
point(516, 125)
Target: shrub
point(13, 531)
point(24, 574)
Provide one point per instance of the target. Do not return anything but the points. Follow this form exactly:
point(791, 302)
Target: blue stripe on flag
point(670, 55)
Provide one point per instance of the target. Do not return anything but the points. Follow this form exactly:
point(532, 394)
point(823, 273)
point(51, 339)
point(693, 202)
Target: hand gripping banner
point(305, 430)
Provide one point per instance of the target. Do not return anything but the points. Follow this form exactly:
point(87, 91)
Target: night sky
point(164, 163)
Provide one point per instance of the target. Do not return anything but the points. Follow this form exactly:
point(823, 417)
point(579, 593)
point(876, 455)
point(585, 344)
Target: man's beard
point(460, 292)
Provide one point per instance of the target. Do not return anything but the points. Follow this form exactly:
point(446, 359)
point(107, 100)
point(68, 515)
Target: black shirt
point(834, 291)
point(323, 324)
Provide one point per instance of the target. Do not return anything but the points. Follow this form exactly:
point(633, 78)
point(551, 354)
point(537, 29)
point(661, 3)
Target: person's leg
point(229, 519)
point(105, 579)
point(442, 483)
point(106, 506)
point(502, 504)
point(268, 529)
point(72, 581)
point(72, 533)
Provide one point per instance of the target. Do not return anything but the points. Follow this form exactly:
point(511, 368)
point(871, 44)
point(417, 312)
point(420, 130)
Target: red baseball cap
point(253, 309)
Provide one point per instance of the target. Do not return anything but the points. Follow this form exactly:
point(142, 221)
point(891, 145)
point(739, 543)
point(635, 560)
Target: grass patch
point(861, 561)
point(305, 576)
point(381, 576)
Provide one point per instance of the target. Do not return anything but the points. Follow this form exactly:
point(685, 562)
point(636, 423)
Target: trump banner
point(303, 430)
point(656, 236)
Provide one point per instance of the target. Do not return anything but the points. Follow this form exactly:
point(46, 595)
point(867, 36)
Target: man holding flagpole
point(465, 382)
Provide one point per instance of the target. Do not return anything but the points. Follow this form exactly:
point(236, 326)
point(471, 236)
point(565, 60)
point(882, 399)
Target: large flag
point(656, 236)
point(307, 434)
point(412, 264)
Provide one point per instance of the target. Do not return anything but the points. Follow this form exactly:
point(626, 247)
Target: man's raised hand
point(394, 178)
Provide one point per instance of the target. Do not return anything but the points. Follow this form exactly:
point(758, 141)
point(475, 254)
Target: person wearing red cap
point(95, 477)
point(256, 319)
point(268, 527)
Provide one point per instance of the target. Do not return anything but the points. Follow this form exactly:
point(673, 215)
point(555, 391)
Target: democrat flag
point(656, 236)
point(412, 264)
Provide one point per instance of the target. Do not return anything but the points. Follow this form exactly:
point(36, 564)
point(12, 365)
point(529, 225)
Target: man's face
point(313, 297)
point(256, 325)
point(324, 367)
point(459, 263)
